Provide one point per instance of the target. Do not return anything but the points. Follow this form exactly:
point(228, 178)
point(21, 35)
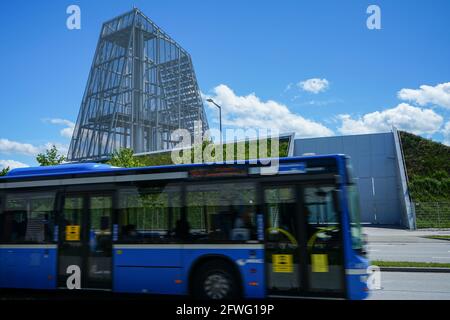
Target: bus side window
point(222, 212)
point(28, 218)
point(3, 231)
point(282, 224)
point(148, 214)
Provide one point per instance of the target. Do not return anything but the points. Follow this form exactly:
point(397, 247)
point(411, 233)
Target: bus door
point(282, 234)
point(304, 254)
point(85, 241)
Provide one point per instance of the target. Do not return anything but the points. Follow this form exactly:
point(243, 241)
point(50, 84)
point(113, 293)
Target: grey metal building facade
point(378, 168)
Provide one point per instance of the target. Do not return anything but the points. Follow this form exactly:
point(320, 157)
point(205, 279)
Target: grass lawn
point(410, 264)
point(439, 237)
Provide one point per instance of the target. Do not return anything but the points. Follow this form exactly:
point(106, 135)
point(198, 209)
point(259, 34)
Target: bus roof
point(90, 168)
point(69, 168)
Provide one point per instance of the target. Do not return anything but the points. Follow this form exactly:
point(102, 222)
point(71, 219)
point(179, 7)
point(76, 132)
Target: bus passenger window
point(282, 224)
point(28, 218)
point(146, 215)
point(221, 212)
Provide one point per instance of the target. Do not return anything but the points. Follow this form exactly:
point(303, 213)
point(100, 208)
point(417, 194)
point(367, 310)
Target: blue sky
point(307, 66)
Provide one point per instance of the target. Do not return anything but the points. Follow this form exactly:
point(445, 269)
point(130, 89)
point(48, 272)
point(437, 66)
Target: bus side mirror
point(337, 200)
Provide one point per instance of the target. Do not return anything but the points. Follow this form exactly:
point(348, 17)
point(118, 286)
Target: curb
point(415, 269)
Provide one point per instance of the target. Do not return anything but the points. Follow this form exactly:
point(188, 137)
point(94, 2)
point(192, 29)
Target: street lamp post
point(220, 116)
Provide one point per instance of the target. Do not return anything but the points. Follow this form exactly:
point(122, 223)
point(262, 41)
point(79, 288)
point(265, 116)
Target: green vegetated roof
point(165, 157)
point(428, 166)
point(424, 156)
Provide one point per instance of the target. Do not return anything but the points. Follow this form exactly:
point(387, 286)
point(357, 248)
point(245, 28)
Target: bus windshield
point(353, 207)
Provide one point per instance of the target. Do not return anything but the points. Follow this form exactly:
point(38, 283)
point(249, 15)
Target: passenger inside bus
point(242, 225)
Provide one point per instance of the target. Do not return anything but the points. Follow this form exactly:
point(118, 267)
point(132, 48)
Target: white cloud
point(320, 103)
point(446, 133)
point(404, 117)
point(288, 87)
point(8, 146)
point(437, 95)
point(66, 132)
point(249, 112)
point(314, 85)
point(12, 164)
point(61, 147)
point(14, 147)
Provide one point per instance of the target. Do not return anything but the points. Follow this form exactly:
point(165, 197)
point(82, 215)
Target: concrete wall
point(375, 167)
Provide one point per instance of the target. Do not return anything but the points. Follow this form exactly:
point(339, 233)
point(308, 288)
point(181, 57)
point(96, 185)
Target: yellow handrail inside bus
point(287, 234)
point(313, 238)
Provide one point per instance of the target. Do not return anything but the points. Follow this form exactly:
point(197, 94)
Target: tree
point(4, 171)
point(50, 157)
point(124, 158)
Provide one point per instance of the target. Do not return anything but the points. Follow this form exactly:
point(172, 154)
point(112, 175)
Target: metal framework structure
point(141, 87)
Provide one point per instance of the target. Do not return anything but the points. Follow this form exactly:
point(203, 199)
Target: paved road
point(394, 286)
point(405, 245)
point(420, 252)
point(413, 286)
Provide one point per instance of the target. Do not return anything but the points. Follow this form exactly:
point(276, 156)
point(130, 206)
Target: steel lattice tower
point(141, 87)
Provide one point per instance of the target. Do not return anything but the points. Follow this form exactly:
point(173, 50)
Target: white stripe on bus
point(109, 179)
point(144, 246)
point(352, 272)
point(28, 246)
point(189, 246)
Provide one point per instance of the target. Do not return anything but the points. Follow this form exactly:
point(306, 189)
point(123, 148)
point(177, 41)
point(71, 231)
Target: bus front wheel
point(215, 280)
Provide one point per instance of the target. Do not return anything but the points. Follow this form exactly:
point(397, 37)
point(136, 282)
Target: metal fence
point(432, 215)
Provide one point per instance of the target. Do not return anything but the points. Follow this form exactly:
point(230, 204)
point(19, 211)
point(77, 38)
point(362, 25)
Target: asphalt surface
point(404, 245)
point(383, 244)
point(394, 286)
point(412, 286)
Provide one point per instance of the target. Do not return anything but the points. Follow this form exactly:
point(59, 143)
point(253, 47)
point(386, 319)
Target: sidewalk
point(388, 235)
point(386, 244)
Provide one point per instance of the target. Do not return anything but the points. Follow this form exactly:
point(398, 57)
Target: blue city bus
point(212, 231)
